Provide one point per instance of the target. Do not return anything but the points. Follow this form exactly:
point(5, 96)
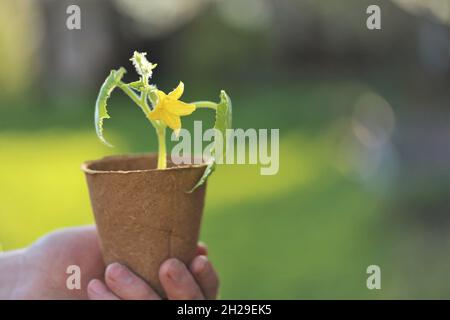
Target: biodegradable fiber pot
point(144, 215)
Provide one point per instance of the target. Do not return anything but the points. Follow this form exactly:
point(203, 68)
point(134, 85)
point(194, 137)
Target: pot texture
point(144, 215)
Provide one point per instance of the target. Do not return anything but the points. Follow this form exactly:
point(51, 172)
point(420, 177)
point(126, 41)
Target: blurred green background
point(363, 118)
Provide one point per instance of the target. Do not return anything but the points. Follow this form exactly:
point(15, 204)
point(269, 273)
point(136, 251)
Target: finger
point(206, 276)
point(178, 282)
point(127, 285)
point(202, 249)
point(97, 290)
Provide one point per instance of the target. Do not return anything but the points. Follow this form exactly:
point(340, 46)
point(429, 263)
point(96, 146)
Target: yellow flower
point(169, 109)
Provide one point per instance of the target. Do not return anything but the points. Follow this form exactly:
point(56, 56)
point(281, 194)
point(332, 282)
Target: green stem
point(145, 106)
point(160, 128)
point(133, 96)
point(205, 105)
point(144, 103)
point(162, 156)
point(141, 101)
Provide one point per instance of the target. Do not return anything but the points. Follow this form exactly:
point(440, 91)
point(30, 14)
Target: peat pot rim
point(86, 166)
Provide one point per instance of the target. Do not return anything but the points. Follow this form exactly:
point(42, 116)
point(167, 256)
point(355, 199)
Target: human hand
point(198, 281)
point(40, 270)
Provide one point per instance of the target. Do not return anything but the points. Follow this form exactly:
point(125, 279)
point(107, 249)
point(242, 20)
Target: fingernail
point(119, 273)
point(200, 264)
point(175, 270)
point(97, 287)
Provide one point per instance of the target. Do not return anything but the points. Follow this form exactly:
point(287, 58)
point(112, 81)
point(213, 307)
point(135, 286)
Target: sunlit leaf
point(209, 169)
point(101, 111)
point(222, 123)
point(138, 85)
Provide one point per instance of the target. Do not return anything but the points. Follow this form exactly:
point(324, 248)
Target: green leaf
point(223, 122)
point(138, 85)
point(209, 169)
point(101, 111)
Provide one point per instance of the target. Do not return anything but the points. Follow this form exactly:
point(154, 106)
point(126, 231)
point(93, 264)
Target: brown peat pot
point(145, 215)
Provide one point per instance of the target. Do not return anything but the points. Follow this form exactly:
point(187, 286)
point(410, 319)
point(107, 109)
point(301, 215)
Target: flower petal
point(177, 92)
point(155, 114)
point(171, 120)
point(161, 97)
point(179, 108)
